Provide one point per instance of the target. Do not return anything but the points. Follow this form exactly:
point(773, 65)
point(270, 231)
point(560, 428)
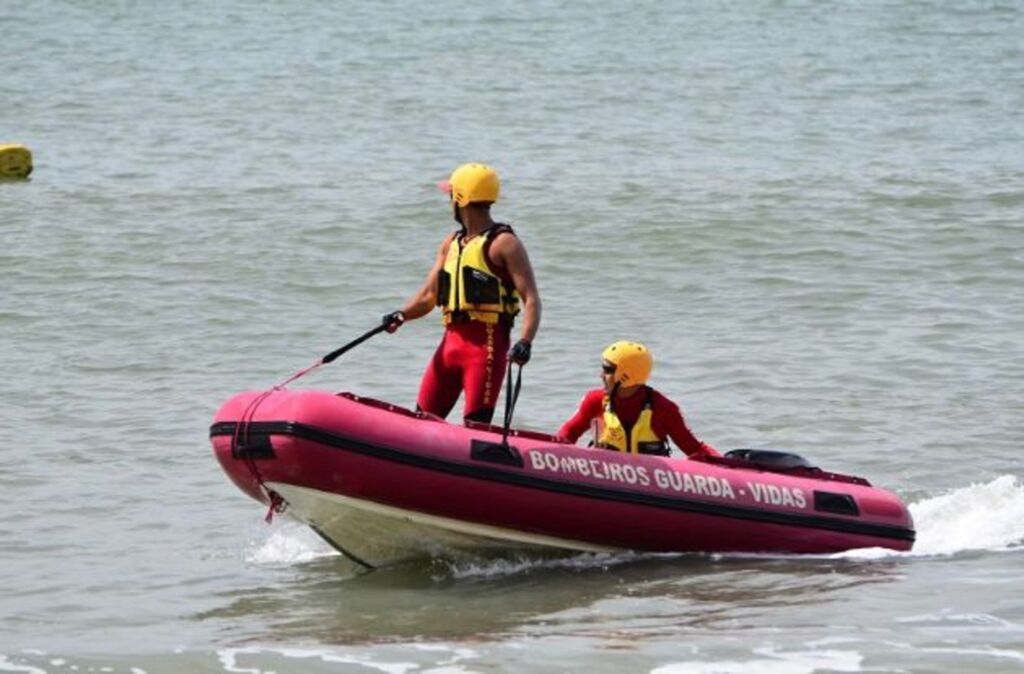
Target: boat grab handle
point(495, 452)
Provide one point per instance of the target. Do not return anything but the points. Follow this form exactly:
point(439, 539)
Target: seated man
point(631, 416)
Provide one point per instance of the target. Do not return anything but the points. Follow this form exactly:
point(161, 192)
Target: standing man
point(481, 279)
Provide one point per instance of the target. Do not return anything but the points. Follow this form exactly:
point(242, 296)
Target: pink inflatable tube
point(383, 484)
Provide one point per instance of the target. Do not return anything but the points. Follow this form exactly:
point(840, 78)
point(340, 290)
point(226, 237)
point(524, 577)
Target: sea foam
point(986, 516)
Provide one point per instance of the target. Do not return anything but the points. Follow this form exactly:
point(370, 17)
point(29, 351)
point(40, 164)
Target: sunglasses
point(608, 369)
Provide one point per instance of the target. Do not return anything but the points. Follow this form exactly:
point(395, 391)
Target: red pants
point(472, 357)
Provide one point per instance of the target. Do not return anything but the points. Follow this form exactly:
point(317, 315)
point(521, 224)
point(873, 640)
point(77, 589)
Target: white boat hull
point(373, 535)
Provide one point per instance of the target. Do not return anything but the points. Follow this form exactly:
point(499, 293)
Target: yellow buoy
point(15, 161)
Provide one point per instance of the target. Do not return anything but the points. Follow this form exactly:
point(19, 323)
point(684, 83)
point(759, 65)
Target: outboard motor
point(769, 459)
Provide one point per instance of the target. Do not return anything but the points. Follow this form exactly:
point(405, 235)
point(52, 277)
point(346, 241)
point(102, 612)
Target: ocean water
point(812, 212)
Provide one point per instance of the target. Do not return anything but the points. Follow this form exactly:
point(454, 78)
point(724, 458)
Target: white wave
point(290, 543)
point(978, 517)
point(772, 662)
point(462, 569)
point(994, 653)
point(440, 659)
point(8, 666)
point(229, 660)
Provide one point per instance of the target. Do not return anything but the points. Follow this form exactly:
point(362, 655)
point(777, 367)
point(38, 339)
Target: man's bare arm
point(510, 252)
point(421, 303)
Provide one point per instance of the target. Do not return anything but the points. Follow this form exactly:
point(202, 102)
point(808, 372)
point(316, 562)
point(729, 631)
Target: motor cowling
point(769, 458)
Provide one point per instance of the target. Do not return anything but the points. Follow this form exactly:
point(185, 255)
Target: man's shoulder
point(507, 250)
point(663, 402)
point(447, 242)
point(504, 236)
point(593, 397)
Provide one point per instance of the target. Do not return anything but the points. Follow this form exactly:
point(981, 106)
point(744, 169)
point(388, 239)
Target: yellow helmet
point(472, 183)
point(15, 161)
point(632, 361)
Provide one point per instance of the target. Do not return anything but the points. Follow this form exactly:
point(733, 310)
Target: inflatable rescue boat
point(383, 484)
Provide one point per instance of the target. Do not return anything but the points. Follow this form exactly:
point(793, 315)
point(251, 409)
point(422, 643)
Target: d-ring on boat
point(383, 484)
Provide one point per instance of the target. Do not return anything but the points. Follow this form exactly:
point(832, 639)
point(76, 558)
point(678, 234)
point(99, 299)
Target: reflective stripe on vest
point(640, 439)
point(467, 286)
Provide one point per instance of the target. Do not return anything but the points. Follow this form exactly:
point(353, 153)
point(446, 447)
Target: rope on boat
point(240, 438)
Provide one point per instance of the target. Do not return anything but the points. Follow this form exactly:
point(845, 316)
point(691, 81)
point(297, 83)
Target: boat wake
point(584, 561)
point(978, 517)
point(288, 543)
point(986, 517)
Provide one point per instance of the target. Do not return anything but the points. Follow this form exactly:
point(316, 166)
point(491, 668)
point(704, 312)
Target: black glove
point(392, 321)
point(520, 353)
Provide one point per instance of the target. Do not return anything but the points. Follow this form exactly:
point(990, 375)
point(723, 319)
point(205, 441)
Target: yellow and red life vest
point(467, 287)
point(638, 439)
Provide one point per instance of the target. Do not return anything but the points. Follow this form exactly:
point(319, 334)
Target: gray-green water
point(813, 212)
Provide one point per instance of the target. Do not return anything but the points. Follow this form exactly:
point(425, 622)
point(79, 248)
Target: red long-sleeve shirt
point(666, 420)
